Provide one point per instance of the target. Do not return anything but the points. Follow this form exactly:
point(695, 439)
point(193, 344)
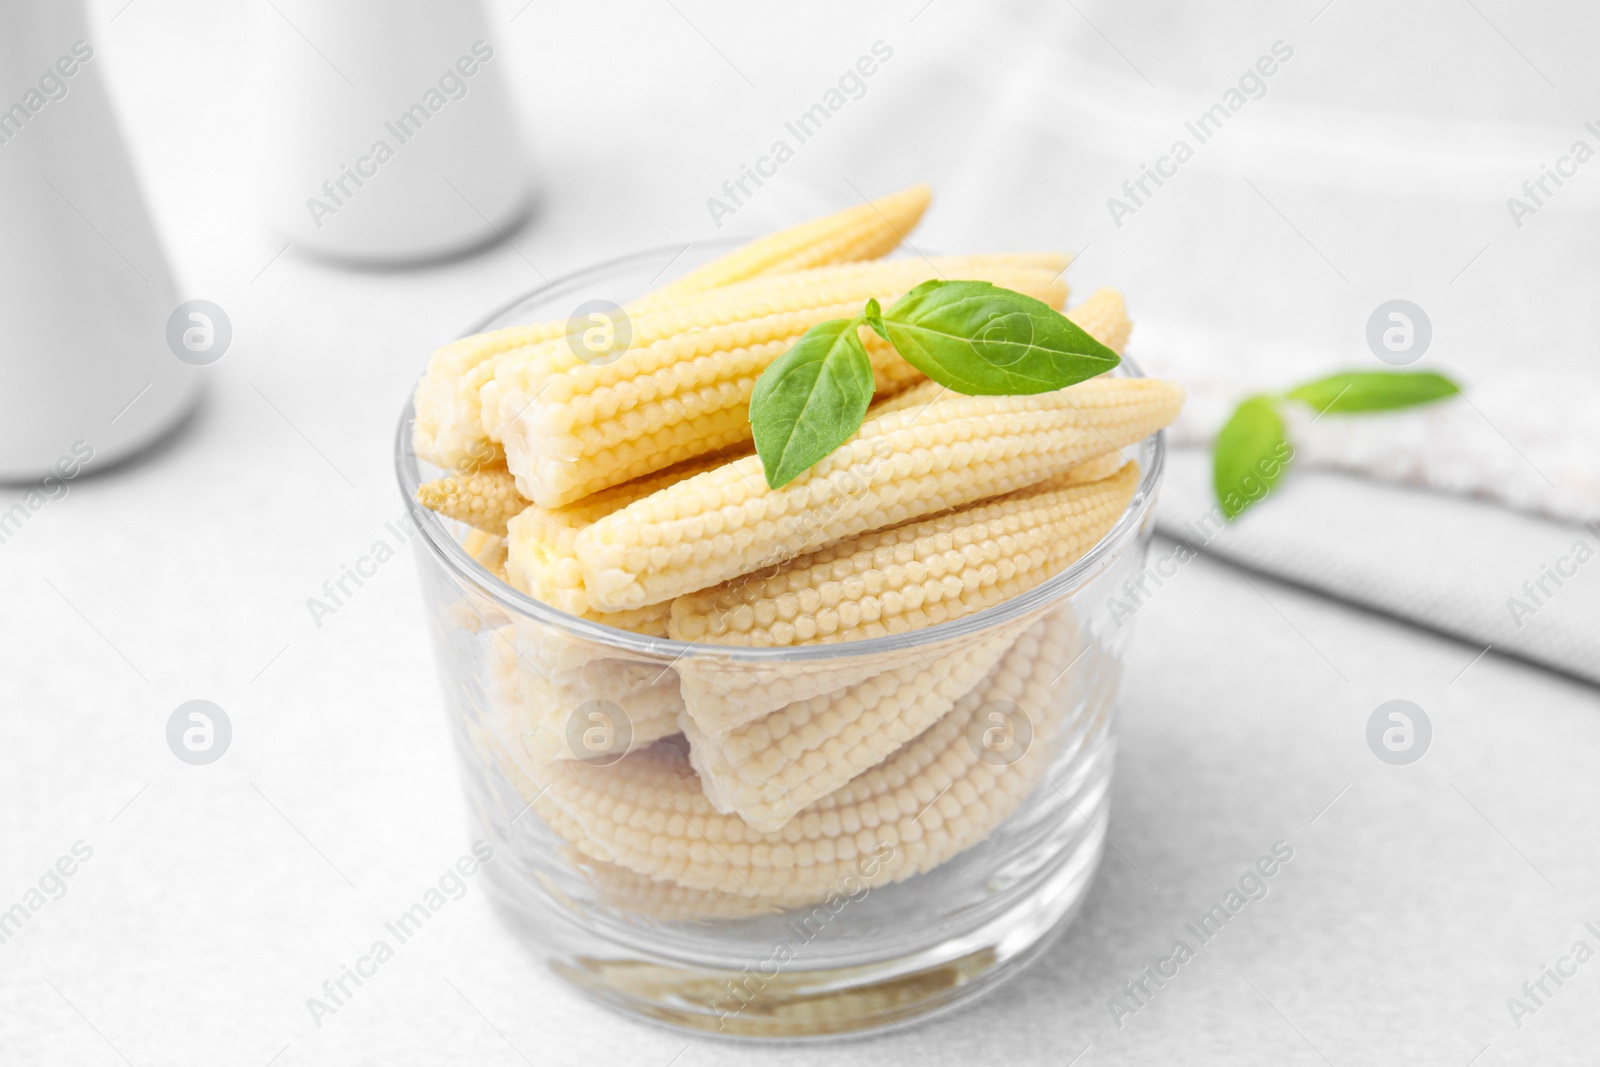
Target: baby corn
point(636, 894)
point(865, 231)
point(1104, 316)
point(488, 549)
point(487, 498)
point(571, 428)
point(883, 582)
point(484, 499)
point(768, 770)
point(880, 583)
point(448, 429)
point(898, 467)
point(936, 796)
point(602, 708)
point(540, 560)
point(914, 576)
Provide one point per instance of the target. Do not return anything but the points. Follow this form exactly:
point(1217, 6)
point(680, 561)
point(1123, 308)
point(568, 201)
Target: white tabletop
point(217, 899)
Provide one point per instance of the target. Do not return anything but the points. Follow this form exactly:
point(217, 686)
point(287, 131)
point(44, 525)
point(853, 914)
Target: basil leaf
point(1374, 390)
point(811, 399)
point(982, 340)
point(873, 313)
point(1250, 455)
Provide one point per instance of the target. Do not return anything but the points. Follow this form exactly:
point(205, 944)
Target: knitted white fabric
point(1512, 438)
point(1489, 575)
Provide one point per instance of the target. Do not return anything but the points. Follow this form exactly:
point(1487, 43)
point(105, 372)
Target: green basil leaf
point(874, 316)
point(1374, 390)
point(811, 399)
point(1250, 455)
point(982, 340)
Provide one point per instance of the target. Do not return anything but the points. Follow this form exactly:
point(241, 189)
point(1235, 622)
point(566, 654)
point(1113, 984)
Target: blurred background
point(1394, 152)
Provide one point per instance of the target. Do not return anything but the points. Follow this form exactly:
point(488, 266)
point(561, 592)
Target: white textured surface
point(1417, 902)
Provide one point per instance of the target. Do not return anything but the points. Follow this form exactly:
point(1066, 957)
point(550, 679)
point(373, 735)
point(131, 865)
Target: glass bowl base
point(784, 1002)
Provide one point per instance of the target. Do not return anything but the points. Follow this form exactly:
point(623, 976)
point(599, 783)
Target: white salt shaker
point(86, 373)
point(388, 131)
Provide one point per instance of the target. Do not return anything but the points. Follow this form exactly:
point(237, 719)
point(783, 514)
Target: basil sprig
point(973, 337)
point(1373, 390)
point(1252, 450)
point(811, 399)
point(982, 340)
point(1251, 454)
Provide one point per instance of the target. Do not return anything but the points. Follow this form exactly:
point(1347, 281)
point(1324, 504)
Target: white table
point(217, 899)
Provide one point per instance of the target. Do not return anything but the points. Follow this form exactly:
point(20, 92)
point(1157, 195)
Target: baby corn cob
point(898, 467)
point(635, 894)
point(1092, 470)
point(1104, 316)
point(884, 582)
point(794, 292)
point(547, 711)
point(865, 231)
point(448, 429)
point(791, 1003)
point(540, 559)
point(768, 770)
point(488, 549)
point(571, 428)
point(867, 577)
point(913, 576)
point(483, 499)
point(937, 796)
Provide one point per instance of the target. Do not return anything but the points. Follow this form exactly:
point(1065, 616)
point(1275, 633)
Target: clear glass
point(921, 884)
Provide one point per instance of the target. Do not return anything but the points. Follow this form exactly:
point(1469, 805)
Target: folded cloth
point(1522, 585)
point(1512, 437)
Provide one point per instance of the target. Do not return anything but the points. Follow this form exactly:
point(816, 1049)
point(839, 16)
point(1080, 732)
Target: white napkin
point(1494, 577)
point(1530, 441)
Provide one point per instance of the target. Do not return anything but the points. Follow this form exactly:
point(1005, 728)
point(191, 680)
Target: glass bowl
point(922, 883)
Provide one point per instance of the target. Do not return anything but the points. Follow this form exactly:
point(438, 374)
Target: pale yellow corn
point(784, 1003)
point(898, 467)
point(888, 581)
point(1092, 470)
point(865, 231)
point(484, 499)
point(936, 796)
point(571, 428)
point(721, 693)
point(794, 293)
point(488, 549)
point(541, 560)
point(552, 674)
point(1104, 316)
point(560, 671)
point(601, 708)
point(568, 659)
point(448, 428)
point(540, 563)
point(913, 576)
point(768, 770)
point(1054, 262)
point(637, 895)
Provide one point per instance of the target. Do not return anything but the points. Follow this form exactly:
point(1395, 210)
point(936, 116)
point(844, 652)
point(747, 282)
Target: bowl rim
point(448, 552)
